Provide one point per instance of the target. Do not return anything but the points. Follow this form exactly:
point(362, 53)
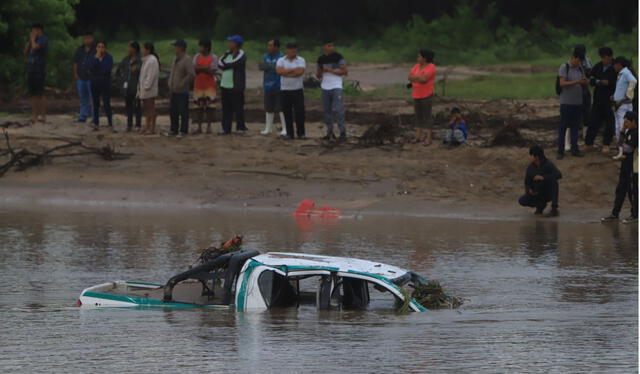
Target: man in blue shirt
point(36, 51)
point(99, 67)
point(81, 73)
point(271, 86)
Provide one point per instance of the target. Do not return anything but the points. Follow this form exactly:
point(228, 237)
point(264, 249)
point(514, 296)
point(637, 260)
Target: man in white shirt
point(623, 94)
point(331, 69)
point(291, 68)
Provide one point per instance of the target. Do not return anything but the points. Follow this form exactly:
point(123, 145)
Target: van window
point(276, 290)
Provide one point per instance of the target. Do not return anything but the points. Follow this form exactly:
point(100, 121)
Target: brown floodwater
point(543, 296)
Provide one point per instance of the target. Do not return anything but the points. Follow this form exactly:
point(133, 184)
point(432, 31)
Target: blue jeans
point(570, 116)
point(102, 89)
point(84, 91)
point(332, 103)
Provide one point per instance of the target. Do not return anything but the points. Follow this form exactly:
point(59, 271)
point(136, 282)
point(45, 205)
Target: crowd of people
point(205, 77)
point(200, 80)
point(612, 107)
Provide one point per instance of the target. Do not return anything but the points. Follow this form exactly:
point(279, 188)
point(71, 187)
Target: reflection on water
point(544, 296)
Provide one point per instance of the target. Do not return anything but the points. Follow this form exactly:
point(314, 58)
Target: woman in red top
point(204, 85)
point(421, 79)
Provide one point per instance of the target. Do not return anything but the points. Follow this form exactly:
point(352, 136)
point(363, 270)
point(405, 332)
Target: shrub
point(15, 18)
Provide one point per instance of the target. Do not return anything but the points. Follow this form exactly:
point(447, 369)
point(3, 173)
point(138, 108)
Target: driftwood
point(508, 136)
point(8, 124)
point(23, 159)
point(377, 135)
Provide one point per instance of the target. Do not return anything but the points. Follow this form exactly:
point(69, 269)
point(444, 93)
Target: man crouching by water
point(541, 183)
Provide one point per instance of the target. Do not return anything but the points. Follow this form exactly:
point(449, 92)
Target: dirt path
point(375, 75)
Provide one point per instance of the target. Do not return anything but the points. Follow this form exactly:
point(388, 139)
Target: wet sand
point(243, 171)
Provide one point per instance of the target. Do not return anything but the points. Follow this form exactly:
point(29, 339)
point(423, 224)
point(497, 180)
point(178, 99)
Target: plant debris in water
point(210, 253)
point(430, 295)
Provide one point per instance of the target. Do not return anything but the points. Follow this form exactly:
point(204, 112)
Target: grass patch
point(479, 87)
point(503, 86)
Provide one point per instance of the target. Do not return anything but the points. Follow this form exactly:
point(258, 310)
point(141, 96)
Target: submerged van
point(247, 280)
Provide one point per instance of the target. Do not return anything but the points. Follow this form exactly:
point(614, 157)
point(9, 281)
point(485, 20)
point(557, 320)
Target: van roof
point(343, 264)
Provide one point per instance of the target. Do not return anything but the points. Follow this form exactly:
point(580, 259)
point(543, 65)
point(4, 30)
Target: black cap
point(620, 60)
point(292, 45)
point(180, 43)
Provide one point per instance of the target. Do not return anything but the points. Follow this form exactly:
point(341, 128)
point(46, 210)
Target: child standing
point(457, 131)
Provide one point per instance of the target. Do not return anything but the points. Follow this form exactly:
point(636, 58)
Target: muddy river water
point(544, 296)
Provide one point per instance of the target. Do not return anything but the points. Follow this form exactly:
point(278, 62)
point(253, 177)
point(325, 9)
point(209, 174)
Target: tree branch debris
point(22, 159)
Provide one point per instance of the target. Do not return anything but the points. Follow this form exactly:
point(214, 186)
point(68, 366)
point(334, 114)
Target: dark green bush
point(16, 16)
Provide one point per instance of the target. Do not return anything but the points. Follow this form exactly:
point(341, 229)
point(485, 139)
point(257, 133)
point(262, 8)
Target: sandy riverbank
point(474, 180)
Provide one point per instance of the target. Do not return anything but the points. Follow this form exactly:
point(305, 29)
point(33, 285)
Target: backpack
point(558, 88)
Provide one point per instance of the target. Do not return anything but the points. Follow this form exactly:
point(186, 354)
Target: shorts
point(272, 101)
point(35, 83)
point(422, 108)
point(208, 95)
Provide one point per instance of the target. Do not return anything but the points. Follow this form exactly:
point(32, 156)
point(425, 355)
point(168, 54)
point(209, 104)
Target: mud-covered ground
point(255, 170)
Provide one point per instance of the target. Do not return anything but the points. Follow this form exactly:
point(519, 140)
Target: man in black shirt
point(541, 183)
point(603, 76)
point(627, 179)
point(331, 70)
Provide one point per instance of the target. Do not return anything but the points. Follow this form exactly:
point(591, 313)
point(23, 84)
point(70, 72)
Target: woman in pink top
point(421, 79)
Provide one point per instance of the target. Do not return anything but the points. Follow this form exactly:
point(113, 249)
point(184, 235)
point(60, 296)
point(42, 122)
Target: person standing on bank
point(148, 87)
point(603, 78)
point(204, 85)
point(271, 86)
point(586, 66)
point(291, 69)
point(624, 92)
point(179, 83)
point(233, 65)
point(571, 79)
point(100, 71)
point(421, 81)
point(81, 75)
point(36, 51)
point(331, 69)
point(541, 183)
point(627, 179)
point(128, 73)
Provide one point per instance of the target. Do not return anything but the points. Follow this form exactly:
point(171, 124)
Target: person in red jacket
point(421, 80)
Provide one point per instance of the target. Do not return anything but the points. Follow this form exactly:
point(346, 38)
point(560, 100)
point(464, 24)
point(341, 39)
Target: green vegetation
point(462, 38)
point(16, 17)
point(467, 39)
point(503, 86)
